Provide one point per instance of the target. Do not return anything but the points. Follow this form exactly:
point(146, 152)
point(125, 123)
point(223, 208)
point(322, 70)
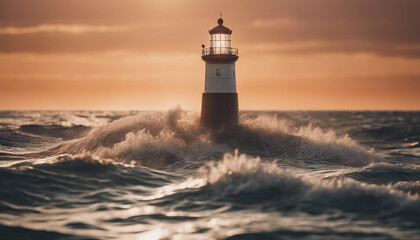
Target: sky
point(146, 55)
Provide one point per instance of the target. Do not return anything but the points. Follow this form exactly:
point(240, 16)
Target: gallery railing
point(220, 50)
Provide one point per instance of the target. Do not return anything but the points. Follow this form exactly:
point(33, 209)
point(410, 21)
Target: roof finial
point(220, 20)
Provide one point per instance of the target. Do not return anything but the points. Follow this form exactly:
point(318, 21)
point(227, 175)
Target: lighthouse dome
point(220, 29)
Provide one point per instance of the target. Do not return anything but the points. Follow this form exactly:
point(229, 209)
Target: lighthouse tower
point(220, 100)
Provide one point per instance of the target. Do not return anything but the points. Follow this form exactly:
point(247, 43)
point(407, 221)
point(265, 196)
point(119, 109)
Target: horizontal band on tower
point(219, 109)
point(220, 58)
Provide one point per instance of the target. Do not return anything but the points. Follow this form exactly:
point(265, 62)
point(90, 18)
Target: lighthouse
point(219, 107)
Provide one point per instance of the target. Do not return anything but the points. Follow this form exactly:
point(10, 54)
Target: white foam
point(176, 135)
point(324, 145)
point(252, 178)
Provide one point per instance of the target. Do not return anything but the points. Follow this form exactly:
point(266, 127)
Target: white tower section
point(220, 78)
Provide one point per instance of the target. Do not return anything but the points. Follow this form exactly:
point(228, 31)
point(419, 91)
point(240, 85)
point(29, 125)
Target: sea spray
point(155, 140)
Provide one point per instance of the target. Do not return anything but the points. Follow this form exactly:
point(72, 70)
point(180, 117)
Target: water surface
point(158, 175)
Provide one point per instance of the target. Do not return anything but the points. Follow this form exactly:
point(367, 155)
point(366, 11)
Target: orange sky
point(130, 54)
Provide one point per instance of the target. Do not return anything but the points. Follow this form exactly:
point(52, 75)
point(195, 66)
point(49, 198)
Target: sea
point(159, 175)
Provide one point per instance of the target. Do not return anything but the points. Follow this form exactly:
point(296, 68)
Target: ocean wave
point(386, 173)
point(411, 187)
point(318, 144)
point(240, 175)
point(56, 131)
point(395, 133)
point(156, 140)
point(250, 180)
point(79, 180)
point(14, 139)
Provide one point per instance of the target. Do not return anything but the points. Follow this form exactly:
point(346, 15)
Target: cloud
point(381, 27)
point(61, 28)
point(338, 46)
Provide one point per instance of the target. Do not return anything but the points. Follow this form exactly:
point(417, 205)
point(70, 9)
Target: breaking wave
point(251, 180)
point(156, 140)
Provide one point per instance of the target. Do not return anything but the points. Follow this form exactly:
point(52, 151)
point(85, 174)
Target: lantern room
point(220, 41)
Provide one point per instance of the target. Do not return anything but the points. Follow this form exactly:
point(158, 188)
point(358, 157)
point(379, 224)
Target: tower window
point(218, 72)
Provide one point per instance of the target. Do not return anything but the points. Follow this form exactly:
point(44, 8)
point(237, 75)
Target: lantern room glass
point(220, 43)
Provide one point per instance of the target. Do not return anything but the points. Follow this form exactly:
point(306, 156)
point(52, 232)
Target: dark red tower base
point(219, 109)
